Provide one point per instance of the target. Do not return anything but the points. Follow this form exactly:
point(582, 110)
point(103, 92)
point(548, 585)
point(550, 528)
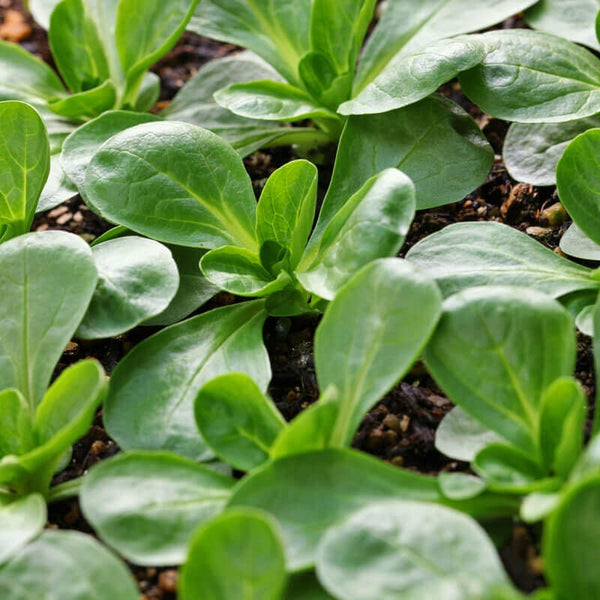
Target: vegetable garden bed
point(250, 346)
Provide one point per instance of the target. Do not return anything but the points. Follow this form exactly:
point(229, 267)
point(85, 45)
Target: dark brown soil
point(401, 428)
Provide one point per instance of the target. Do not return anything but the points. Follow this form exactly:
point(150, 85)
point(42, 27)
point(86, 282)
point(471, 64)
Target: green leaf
point(87, 104)
point(570, 19)
point(435, 142)
point(237, 420)
point(408, 78)
point(58, 188)
point(305, 586)
point(531, 77)
point(24, 166)
point(578, 181)
point(495, 352)
point(278, 31)
point(271, 101)
point(25, 77)
point(372, 224)
point(578, 245)
point(66, 565)
point(47, 279)
point(240, 271)
point(145, 31)
point(20, 522)
point(238, 554)
point(570, 542)
point(466, 255)
point(151, 399)
point(405, 27)
point(460, 486)
point(76, 46)
point(153, 527)
point(398, 308)
point(137, 279)
point(461, 437)
point(408, 550)
point(41, 11)
point(538, 505)
point(16, 427)
point(148, 94)
point(185, 186)
point(531, 151)
point(79, 148)
point(563, 414)
point(286, 209)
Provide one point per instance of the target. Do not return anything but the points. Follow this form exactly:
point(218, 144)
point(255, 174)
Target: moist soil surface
point(401, 428)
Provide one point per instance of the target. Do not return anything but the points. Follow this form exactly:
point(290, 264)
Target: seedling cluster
point(211, 477)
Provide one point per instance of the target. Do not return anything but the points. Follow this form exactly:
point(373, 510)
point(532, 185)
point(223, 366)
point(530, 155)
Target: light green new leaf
point(277, 30)
point(531, 151)
point(271, 101)
point(146, 30)
point(578, 245)
point(66, 565)
point(48, 279)
point(79, 148)
point(474, 254)
point(408, 550)
point(25, 77)
point(137, 279)
point(408, 78)
point(87, 104)
point(16, 426)
point(372, 224)
point(286, 209)
point(571, 19)
point(534, 77)
point(495, 352)
point(153, 527)
point(570, 542)
point(405, 27)
point(237, 420)
point(24, 166)
point(20, 522)
point(399, 308)
point(76, 46)
point(152, 392)
point(184, 185)
point(41, 11)
point(435, 142)
point(238, 554)
point(578, 181)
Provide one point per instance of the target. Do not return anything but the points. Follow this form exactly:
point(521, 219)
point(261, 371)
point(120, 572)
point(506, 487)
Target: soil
point(401, 428)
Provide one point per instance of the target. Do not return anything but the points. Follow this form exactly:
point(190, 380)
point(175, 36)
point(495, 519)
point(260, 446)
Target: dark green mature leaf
point(408, 550)
point(238, 554)
point(79, 148)
point(237, 420)
point(496, 351)
point(25, 77)
point(372, 224)
point(145, 30)
point(435, 142)
point(578, 245)
point(578, 181)
point(570, 542)
point(408, 78)
point(147, 505)
point(473, 254)
point(47, 280)
point(531, 151)
point(571, 19)
point(76, 46)
point(184, 186)
point(137, 279)
point(338, 481)
point(152, 393)
point(276, 30)
point(305, 586)
point(24, 166)
point(20, 522)
point(66, 565)
point(404, 27)
point(530, 77)
point(286, 209)
point(16, 427)
point(399, 308)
